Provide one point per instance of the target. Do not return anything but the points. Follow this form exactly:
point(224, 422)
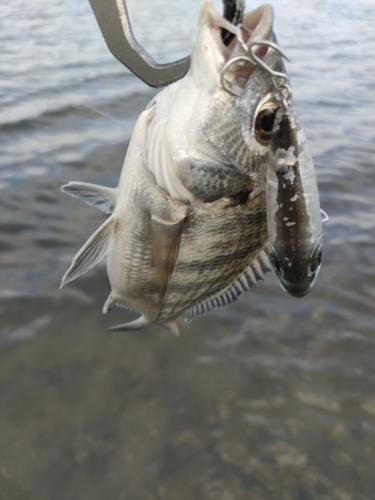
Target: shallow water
point(270, 398)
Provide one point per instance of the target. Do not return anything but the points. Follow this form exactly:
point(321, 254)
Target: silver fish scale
point(222, 137)
point(133, 260)
point(226, 246)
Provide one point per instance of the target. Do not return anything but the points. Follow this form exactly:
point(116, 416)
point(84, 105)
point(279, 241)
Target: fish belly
point(220, 242)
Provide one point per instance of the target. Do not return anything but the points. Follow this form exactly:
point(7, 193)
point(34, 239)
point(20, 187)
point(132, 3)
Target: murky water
point(270, 398)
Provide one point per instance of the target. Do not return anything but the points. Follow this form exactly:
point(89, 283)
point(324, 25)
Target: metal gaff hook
point(114, 23)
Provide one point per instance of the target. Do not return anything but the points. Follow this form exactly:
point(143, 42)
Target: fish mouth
point(297, 279)
point(299, 288)
point(256, 25)
point(296, 290)
point(291, 285)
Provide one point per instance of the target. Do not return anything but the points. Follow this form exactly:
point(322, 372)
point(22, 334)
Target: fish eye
point(264, 123)
point(315, 264)
point(277, 267)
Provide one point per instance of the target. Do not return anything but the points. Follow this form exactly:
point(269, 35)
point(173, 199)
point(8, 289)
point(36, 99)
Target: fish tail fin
point(92, 251)
point(136, 324)
point(142, 321)
point(102, 197)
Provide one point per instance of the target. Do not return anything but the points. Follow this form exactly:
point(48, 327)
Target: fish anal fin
point(249, 278)
point(165, 237)
point(223, 299)
point(102, 197)
point(264, 260)
point(92, 251)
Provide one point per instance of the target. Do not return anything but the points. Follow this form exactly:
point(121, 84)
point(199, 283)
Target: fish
point(294, 217)
point(187, 226)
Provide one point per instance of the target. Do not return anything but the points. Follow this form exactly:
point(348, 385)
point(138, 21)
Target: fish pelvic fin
point(101, 197)
point(172, 327)
point(92, 251)
point(136, 324)
point(110, 304)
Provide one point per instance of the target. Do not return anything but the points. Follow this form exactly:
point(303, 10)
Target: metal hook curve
point(223, 81)
point(114, 23)
point(279, 79)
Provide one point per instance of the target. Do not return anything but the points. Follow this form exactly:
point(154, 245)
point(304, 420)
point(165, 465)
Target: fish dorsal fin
point(253, 273)
point(101, 197)
point(165, 237)
point(92, 251)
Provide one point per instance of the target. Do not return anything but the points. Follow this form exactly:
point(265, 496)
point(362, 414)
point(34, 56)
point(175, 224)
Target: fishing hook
point(114, 23)
point(279, 80)
point(325, 216)
point(240, 61)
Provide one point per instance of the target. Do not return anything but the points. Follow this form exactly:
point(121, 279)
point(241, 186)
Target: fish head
point(257, 106)
point(204, 122)
point(297, 276)
point(232, 89)
point(256, 103)
point(294, 220)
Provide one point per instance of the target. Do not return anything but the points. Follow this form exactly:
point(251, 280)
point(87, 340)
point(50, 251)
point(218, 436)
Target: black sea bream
point(187, 229)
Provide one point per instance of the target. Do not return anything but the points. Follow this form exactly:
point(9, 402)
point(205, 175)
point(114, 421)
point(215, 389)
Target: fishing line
point(102, 113)
point(80, 105)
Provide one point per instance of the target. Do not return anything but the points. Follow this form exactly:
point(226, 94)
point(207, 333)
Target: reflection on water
point(271, 398)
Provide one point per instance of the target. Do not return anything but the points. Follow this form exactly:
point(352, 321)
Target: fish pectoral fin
point(136, 324)
point(210, 181)
point(92, 251)
point(102, 197)
point(168, 217)
point(165, 237)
